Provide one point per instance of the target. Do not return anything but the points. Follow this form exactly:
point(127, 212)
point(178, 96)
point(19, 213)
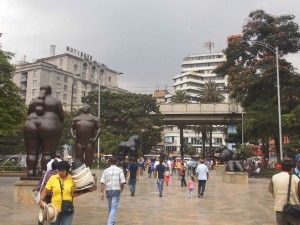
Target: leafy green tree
point(127, 114)
point(251, 68)
point(210, 92)
point(12, 108)
point(180, 96)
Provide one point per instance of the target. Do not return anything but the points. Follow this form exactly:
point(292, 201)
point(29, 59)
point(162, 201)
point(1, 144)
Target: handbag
point(37, 197)
point(66, 205)
point(289, 209)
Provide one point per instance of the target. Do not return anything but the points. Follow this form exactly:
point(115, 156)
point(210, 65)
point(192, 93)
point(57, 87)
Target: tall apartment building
point(71, 75)
point(196, 71)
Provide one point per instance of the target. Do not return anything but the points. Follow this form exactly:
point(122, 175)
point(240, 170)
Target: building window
point(84, 85)
point(66, 78)
point(75, 83)
point(83, 93)
point(65, 88)
point(84, 70)
point(75, 69)
point(34, 83)
point(58, 86)
point(33, 93)
point(74, 100)
point(65, 97)
point(34, 74)
point(58, 77)
point(58, 95)
point(93, 72)
point(61, 62)
point(109, 80)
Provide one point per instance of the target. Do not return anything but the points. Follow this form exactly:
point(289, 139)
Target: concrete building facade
point(197, 70)
point(70, 76)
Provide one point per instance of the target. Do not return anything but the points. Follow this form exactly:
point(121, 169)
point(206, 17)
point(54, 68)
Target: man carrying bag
point(279, 187)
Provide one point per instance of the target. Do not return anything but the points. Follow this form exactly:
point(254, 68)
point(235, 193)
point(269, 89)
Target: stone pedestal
point(23, 190)
point(235, 177)
point(220, 169)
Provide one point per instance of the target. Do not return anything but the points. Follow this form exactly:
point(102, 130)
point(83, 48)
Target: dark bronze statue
point(230, 158)
point(86, 130)
point(42, 130)
point(129, 147)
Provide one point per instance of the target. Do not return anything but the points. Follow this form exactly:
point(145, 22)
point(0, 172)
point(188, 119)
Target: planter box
point(235, 177)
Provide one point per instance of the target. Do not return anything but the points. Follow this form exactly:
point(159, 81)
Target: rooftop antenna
point(210, 45)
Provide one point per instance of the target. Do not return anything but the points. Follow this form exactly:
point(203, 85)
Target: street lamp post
point(275, 51)
point(99, 88)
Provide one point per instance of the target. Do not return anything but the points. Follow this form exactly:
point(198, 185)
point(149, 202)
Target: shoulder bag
point(289, 209)
point(37, 197)
point(66, 205)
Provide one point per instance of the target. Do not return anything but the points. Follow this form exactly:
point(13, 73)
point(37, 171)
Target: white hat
point(48, 214)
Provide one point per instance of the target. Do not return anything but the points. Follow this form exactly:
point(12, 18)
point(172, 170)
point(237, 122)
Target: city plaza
point(223, 203)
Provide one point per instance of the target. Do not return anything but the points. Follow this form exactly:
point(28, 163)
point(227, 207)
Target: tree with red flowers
point(251, 69)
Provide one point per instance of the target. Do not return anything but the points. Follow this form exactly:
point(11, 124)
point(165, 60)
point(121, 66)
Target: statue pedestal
point(23, 190)
point(220, 169)
point(235, 177)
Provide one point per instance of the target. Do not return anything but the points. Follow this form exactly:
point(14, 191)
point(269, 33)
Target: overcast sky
point(145, 40)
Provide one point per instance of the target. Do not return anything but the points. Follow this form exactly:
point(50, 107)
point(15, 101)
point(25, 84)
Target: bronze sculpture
point(230, 158)
point(43, 128)
point(85, 129)
point(128, 147)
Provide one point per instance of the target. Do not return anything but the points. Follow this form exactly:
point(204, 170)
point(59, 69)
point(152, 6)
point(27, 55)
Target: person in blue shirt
point(160, 169)
point(297, 168)
point(133, 174)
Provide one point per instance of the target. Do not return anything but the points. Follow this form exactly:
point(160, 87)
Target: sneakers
point(132, 193)
point(201, 196)
point(160, 195)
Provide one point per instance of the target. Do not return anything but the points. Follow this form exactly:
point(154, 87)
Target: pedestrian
point(125, 166)
point(278, 187)
point(63, 188)
point(202, 174)
point(133, 174)
point(160, 169)
point(141, 165)
point(113, 181)
point(191, 185)
point(167, 174)
point(297, 168)
point(182, 175)
point(43, 181)
point(151, 167)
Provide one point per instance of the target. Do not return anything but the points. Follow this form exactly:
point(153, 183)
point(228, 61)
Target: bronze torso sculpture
point(85, 129)
point(42, 130)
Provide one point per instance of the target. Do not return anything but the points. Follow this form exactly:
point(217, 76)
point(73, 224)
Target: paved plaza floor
point(223, 203)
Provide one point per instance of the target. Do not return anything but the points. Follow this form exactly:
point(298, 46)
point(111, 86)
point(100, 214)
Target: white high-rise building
point(71, 75)
point(196, 71)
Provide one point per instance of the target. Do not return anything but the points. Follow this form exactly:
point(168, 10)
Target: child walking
point(191, 185)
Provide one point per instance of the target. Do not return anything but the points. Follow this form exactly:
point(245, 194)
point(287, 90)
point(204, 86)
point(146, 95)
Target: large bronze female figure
point(42, 130)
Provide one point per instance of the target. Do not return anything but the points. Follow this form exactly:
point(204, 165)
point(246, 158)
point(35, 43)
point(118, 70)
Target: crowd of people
point(57, 184)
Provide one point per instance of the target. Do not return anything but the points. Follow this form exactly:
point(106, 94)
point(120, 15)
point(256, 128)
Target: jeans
point(64, 219)
point(160, 185)
point(201, 186)
point(113, 199)
point(131, 184)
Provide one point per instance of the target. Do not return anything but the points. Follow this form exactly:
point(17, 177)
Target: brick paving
point(223, 203)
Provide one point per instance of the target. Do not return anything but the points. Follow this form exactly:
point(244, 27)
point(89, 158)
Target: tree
point(12, 107)
point(180, 96)
point(251, 68)
point(127, 114)
point(210, 92)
